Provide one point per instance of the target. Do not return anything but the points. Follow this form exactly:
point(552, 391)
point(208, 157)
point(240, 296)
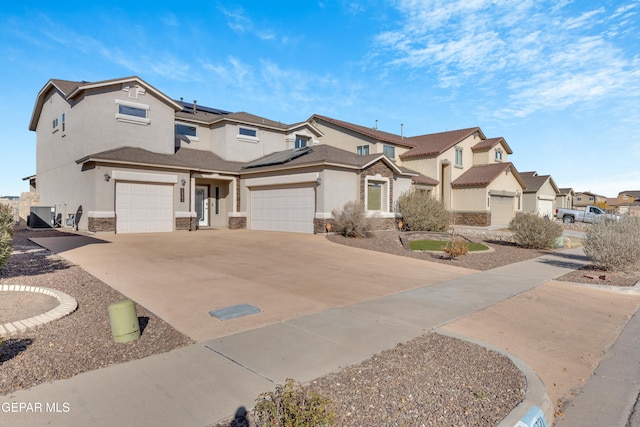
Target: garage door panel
point(143, 208)
point(502, 211)
point(283, 209)
point(545, 208)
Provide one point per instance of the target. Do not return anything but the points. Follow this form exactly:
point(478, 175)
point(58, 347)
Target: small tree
point(535, 232)
point(352, 221)
point(6, 233)
point(614, 245)
point(422, 212)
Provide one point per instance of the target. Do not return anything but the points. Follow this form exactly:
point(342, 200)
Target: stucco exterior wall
point(337, 188)
point(469, 199)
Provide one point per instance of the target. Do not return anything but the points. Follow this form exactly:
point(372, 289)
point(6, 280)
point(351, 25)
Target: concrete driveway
point(182, 276)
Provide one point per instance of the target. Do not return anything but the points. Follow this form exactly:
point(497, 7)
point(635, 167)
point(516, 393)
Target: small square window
point(301, 142)
point(389, 151)
point(362, 150)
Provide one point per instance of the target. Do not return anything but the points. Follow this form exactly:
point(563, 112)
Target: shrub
point(352, 221)
point(422, 212)
point(6, 233)
point(613, 245)
point(455, 247)
point(292, 406)
point(535, 232)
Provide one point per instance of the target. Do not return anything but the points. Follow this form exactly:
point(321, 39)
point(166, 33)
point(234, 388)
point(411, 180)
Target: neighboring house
point(468, 172)
point(564, 199)
point(540, 194)
point(628, 203)
point(582, 199)
point(119, 155)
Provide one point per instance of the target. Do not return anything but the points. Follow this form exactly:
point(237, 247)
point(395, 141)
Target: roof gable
point(483, 175)
point(534, 182)
point(489, 143)
point(437, 143)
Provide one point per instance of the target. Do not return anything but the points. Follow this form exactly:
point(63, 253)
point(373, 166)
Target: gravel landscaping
point(433, 380)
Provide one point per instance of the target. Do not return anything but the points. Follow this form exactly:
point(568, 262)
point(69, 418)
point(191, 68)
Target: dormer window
point(499, 155)
point(301, 142)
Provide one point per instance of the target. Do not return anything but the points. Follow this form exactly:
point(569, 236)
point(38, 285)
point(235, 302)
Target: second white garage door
point(545, 208)
point(501, 210)
point(143, 208)
point(283, 209)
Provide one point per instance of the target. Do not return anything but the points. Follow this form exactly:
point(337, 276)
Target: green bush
point(6, 233)
point(352, 221)
point(292, 406)
point(422, 212)
point(614, 245)
point(532, 231)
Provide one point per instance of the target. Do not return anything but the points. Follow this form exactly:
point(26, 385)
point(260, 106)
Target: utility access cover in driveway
point(235, 311)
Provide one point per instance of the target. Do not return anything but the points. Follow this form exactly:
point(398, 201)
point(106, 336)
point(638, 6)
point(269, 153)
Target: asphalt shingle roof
point(436, 143)
point(480, 176)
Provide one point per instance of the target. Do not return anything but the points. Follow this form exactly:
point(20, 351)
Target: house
point(467, 171)
point(564, 199)
point(540, 194)
point(582, 199)
point(121, 156)
point(628, 203)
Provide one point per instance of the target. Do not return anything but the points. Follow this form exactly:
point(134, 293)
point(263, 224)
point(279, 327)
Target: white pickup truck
point(589, 214)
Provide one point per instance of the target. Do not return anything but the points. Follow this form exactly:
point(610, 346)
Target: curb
point(536, 396)
point(67, 306)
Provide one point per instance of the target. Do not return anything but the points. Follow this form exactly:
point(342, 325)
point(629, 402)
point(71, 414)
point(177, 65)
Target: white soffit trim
point(280, 180)
point(145, 177)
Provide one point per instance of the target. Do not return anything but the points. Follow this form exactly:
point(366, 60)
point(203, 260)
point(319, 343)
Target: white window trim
point(455, 158)
point(189, 137)
point(384, 203)
point(247, 138)
point(132, 119)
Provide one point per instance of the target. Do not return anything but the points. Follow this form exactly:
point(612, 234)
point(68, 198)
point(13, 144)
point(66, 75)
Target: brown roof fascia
point(483, 175)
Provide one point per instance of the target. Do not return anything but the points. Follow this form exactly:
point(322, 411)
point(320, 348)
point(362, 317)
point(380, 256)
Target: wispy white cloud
point(547, 55)
point(240, 22)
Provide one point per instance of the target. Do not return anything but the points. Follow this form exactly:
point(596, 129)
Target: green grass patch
point(438, 245)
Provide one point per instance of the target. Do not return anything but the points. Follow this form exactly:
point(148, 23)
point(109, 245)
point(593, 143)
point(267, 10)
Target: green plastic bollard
point(125, 326)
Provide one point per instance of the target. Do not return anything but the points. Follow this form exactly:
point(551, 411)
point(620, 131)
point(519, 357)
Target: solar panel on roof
point(189, 107)
point(278, 158)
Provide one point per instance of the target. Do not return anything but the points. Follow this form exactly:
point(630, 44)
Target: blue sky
point(559, 80)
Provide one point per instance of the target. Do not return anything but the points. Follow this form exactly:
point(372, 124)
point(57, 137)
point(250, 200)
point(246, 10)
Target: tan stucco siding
point(469, 199)
point(349, 141)
point(337, 188)
point(230, 145)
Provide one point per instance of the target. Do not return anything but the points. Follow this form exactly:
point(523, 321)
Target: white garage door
point(501, 210)
point(143, 208)
point(283, 209)
point(545, 208)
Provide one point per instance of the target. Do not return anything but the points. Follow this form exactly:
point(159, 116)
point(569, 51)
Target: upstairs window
point(186, 130)
point(389, 151)
point(55, 125)
point(63, 126)
point(458, 157)
point(301, 142)
point(499, 155)
point(248, 132)
point(132, 112)
point(362, 150)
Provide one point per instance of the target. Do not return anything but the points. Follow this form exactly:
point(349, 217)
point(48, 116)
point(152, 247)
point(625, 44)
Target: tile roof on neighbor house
point(425, 180)
point(436, 143)
point(323, 154)
point(483, 175)
point(184, 158)
point(363, 130)
point(489, 143)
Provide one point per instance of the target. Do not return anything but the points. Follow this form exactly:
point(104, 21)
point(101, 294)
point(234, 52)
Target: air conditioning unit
point(42, 217)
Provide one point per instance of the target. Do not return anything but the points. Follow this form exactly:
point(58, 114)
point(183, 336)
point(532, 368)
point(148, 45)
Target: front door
point(202, 205)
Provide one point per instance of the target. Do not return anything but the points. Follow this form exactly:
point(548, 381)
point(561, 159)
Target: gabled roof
point(437, 143)
point(565, 191)
point(184, 158)
point(363, 130)
point(635, 194)
point(489, 143)
point(534, 182)
point(483, 175)
point(589, 193)
point(71, 90)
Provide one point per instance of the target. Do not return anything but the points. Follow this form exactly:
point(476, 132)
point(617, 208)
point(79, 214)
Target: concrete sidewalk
point(209, 381)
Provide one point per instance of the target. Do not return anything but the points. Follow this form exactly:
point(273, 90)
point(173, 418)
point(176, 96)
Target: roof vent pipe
point(376, 128)
point(402, 130)
point(194, 106)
